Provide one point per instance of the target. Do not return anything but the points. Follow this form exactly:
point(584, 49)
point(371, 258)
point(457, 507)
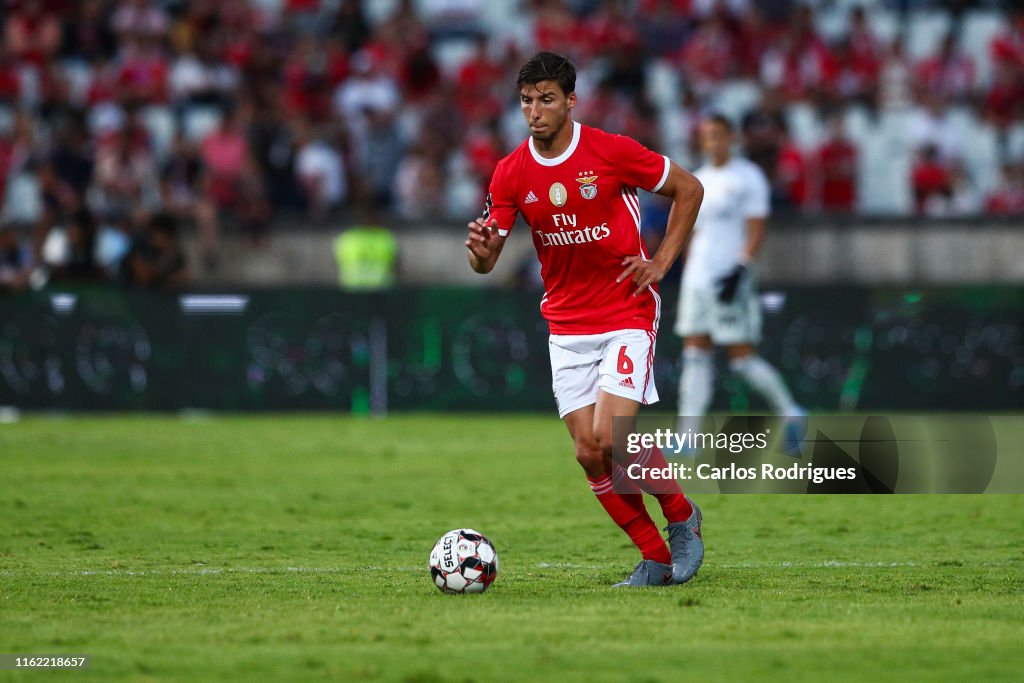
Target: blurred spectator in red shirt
point(754, 37)
point(863, 44)
point(143, 74)
point(557, 30)
point(930, 178)
point(849, 76)
point(791, 176)
point(418, 73)
point(1007, 48)
point(949, 73)
point(10, 79)
point(1005, 99)
point(483, 149)
point(1008, 198)
point(32, 33)
point(798, 61)
point(707, 56)
point(611, 27)
point(232, 182)
point(837, 168)
point(476, 83)
point(311, 73)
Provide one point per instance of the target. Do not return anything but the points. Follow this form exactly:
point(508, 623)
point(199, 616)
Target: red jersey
point(584, 218)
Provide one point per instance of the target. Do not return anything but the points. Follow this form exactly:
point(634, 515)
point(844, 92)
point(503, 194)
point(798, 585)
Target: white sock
point(695, 384)
point(765, 380)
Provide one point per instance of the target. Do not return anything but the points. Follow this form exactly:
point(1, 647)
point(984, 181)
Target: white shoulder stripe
point(664, 175)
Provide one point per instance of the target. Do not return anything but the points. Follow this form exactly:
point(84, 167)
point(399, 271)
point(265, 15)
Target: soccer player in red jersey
point(575, 187)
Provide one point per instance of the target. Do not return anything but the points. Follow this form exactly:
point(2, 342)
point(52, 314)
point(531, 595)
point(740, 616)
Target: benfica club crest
point(588, 186)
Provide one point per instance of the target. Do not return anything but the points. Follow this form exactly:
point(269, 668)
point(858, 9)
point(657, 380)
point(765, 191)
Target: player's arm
point(755, 236)
point(484, 244)
point(686, 193)
point(756, 207)
point(487, 234)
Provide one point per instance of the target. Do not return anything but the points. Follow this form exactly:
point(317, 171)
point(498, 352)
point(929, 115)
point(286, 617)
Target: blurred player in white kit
point(718, 302)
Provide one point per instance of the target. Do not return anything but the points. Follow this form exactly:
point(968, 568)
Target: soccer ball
point(463, 561)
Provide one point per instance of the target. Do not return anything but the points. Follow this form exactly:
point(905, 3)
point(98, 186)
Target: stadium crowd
point(122, 119)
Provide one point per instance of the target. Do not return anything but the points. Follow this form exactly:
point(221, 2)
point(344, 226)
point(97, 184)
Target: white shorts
point(701, 313)
point(619, 363)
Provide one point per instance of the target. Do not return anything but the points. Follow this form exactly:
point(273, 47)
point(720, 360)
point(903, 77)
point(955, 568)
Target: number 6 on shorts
point(625, 363)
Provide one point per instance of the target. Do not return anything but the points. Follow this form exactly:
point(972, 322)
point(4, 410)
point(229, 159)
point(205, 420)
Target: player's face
point(546, 109)
point(716, 141)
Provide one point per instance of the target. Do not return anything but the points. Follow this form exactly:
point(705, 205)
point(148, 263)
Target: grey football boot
point(687, 546)
point(648, 573)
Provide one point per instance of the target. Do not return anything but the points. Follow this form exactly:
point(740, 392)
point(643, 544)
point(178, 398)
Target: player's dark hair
point(722, 120)
point(548, 66)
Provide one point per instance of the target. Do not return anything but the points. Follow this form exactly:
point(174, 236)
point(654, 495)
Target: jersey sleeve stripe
point(650, 366)
point(633, 209)
point(503, 233)
point(657, 308)
point(633, 204)
point(664, 175)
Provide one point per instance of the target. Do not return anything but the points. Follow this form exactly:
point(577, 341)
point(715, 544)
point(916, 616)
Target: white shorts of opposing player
point(620, 363)
point(701, 313)
point(738, 322)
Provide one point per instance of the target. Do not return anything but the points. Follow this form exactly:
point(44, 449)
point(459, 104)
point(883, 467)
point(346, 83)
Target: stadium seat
point(858, 124)
point(6, 119)
point(199, 121)
point(893, 129)
point(925, 32)
point(884, 177)
point(23, 201)
point(662, 83)
point(804, 127)
point(981, 156)
point(451, 53)
point(502, 22)
point(976, 33)
point(735, 98)
point(832, 22)
point(105, 117)
point(79, 76)
point(675, 136)
point(379, 10)
point(1015, 143)
point(885, 25)
point(159, 122)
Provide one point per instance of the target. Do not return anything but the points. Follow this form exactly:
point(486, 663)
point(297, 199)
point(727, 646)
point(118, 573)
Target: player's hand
point(644, 273)
point(728, 284)
point(482, 238)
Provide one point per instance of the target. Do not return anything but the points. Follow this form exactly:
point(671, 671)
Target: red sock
point(674, 504)
point(628, 511)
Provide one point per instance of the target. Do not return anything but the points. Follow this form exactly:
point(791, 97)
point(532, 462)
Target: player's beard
point(552, 132)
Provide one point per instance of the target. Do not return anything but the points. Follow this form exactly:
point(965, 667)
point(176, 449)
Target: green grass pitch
point(295, 548)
